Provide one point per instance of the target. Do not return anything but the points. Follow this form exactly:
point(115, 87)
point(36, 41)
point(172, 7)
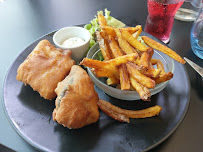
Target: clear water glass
point(186, 14)
point(196, 37)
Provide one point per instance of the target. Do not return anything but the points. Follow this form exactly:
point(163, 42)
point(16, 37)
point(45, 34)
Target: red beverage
point(160, 20)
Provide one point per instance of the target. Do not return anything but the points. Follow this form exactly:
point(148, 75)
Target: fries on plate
point(124, 115)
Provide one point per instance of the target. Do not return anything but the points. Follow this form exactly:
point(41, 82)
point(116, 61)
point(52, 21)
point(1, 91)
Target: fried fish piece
point(44, 67)
point(76, 102)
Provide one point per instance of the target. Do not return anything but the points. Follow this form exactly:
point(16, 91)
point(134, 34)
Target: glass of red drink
point(160, 20)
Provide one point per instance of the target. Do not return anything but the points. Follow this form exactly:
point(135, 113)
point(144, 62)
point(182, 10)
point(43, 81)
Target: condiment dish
point(66, 33)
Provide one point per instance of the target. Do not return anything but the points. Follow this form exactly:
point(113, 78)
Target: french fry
point(151, 65)
point(105, 36)
point(124, 78)
point(101, 20)
point(142, 90)
point(156, 45)
point(134, 42)
point(110, 30)
point(114, 46)
point(144, 113)
point(137, 33)
point(124, 45)
point(99, 65)
point(160, 66)
point(136, 66)
point(113, 114)
point(153, 61)
point(152, 73)
point(112, 81)
point(110, 64)
point(122, 59)
point(103, 46)
point(103, 73)
point(132, 30)
point(164, 77)
point(139, 77)
point(145, 58)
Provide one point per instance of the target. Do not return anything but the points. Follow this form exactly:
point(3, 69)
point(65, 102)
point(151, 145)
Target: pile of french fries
point(128, 64)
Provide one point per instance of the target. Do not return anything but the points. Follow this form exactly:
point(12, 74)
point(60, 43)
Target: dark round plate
point(31, 116)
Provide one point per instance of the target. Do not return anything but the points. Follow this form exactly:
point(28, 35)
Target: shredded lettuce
point(112, 21)
point(100, 56)
point(94, 26)
point(141, 40)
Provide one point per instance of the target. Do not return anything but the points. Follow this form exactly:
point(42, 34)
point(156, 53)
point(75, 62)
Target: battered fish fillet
point(76, 103)
point(44, 68)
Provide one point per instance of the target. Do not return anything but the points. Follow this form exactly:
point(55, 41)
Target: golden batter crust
point(76, 103)
point(44, 68)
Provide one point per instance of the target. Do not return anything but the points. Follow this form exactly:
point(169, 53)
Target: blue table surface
point(23, 21)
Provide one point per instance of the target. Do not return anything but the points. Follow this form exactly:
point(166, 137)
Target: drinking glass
point(188, 14)
point(160, 20)
point(196, 37)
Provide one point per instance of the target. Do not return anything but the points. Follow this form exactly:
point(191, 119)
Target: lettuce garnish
point(94, 26)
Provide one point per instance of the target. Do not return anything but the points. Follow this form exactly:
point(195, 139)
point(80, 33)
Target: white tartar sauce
point(73, 42)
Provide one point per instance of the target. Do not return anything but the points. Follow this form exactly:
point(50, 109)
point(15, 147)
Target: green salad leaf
point(100, 56)
point(141, 40)
point(113, 21)
point(94, 26)
point(92, 29)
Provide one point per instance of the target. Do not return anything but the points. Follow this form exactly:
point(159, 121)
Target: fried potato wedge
point(103, 46)
point(99, 65)
point(122, 59)
point(153, 61)
point(116, 51)
point(110, 64)
point(124, 45)
point(112, 81)
point(160, 66)
point(138, 32)
point(134, 42)
point(164, 77)
point(101, 20)
point(144, 113)
point(143, 91)
point(139, 77)
point(156, 45)
point(145, 58)
point(103, 73)
point(124, 77)
point(152, 73)
point(110, 30)
point(136, 66)
point(113, 114)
